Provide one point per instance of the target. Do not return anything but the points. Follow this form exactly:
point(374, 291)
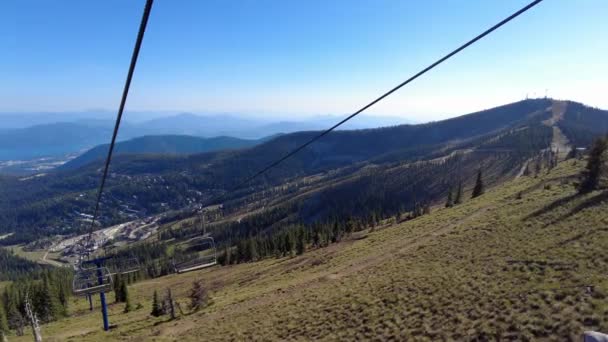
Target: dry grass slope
point(500, 266)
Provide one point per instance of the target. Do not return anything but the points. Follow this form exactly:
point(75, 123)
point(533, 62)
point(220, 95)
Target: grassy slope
point(36, 256)
point(454, 274)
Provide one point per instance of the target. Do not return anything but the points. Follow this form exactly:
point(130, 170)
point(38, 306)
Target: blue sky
point(298, 58)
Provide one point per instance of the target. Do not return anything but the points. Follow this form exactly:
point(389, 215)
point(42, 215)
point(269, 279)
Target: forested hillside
point(13, 267)
point(522, 261)
point(392, 168)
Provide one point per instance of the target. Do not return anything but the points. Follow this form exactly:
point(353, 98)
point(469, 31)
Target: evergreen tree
point(156, 312)
point(301, 242)
point(289, 243)
point(15, 319)
point(596, 171)
point(478, 189)
point(426, 209)
point(124, 290)
point(227, 255)
point(3, 323)
point(47, 302)
point(449, 202)
point(118, 295)
point(63, 299)
point(252, 253)
point(170, 303)
point(458, 199)
point(199, 297)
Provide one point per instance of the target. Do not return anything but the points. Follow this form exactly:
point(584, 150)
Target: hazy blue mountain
point(161, 144)
point(12, 120)
point(27, 136)
point(49, 140)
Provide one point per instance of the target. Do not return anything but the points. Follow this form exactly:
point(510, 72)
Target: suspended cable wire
point(382, 97)
point(125, 93)
point(134, 57)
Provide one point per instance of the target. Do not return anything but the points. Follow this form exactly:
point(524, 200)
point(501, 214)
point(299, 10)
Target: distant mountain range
point(26, 136)
point(161, 144)
point(353, 173)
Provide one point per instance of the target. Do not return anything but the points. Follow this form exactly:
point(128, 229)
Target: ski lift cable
point(133, 63)
point(380, 98)
point(125, 93)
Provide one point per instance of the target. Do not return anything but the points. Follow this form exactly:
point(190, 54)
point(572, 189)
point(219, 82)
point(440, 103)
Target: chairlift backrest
point(128, 265)
point(89, 281)
point(199, 253)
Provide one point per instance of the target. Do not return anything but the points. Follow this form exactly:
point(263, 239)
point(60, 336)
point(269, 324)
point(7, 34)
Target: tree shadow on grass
point(552, 206)
point(590, 202)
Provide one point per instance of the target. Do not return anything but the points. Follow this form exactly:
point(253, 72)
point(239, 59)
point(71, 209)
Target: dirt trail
point(522, 170)
point(560, 143)
point(51, 262)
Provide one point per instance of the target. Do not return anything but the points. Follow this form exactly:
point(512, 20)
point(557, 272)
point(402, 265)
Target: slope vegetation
point(48, 205)
point(525, 261)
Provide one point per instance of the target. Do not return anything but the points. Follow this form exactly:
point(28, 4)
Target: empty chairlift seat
point(90, 281)
point(195, 254)
point(127, 265)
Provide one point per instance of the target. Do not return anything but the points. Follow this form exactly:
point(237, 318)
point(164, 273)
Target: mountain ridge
point(161, 144)
point(352, 172)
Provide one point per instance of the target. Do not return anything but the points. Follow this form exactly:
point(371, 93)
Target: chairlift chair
point(128, 265)
point(89, 281)
point(195, 254)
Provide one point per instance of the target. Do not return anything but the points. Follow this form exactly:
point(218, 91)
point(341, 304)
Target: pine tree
point(478, 189)
point(289, 243)
point(538, 168)
point(252, 250)
point(15, 319)
point(127, 299)
point(300, 243)
point(426, 209)
point(597, 168)
point(156, 312)
point(3, 323)
point(449, 202)
point(48, 306)
point(63, 299)
point(227, 255)
point(170, 304)
point(458, 199)
point(199, 298)
point(118, 295)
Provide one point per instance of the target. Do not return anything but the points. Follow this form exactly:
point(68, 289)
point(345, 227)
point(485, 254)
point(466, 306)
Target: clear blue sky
point(300, 57)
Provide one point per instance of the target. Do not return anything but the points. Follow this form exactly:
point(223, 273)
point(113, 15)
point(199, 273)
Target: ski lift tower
point(92, 280)
point(93, 277)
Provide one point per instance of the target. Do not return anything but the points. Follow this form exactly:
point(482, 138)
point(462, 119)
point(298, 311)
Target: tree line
point(48, 292)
